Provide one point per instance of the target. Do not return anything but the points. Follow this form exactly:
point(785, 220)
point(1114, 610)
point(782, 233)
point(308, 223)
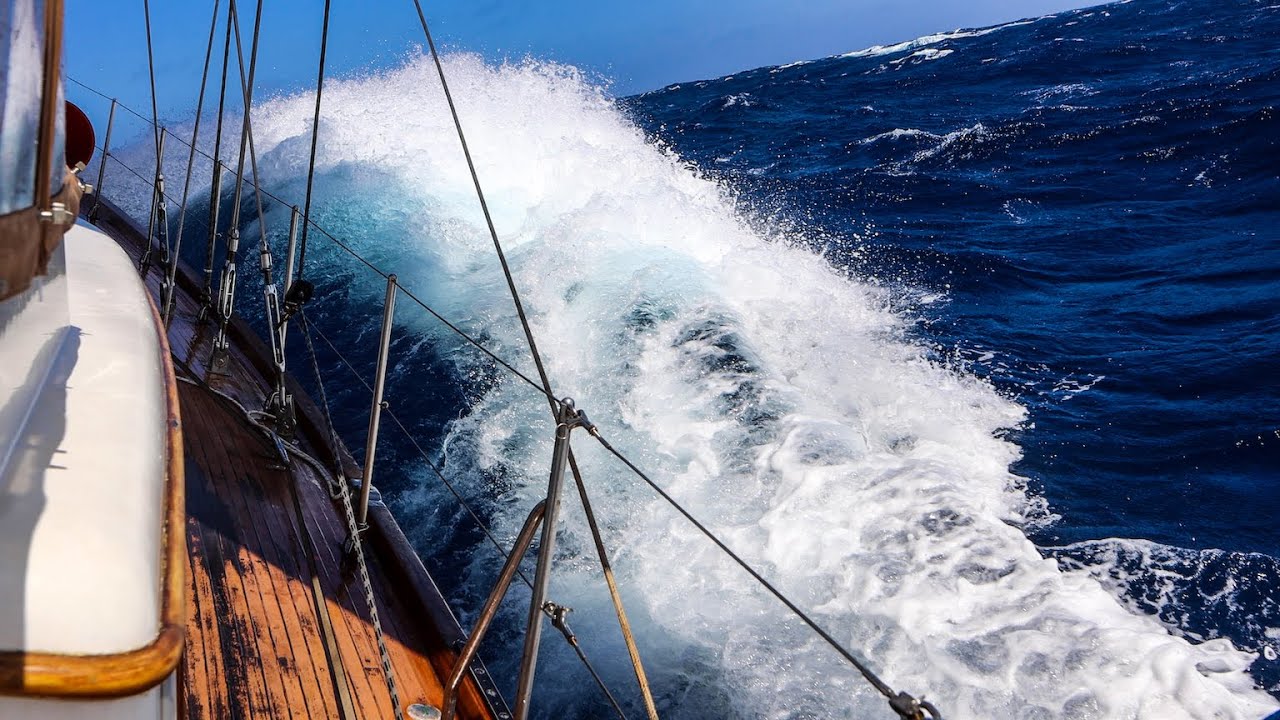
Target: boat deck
point(277, 622)
point(260, 650)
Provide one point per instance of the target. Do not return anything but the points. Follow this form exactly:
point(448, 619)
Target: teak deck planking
point(255, 644)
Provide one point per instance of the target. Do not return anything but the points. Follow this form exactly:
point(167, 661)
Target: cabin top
point(82, 484)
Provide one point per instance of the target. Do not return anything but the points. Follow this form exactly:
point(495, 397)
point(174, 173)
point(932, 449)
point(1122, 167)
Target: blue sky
point(635, 46)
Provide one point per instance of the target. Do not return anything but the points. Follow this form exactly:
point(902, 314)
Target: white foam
point(973, 133)
point(898, 133)
point(790, 65)
point(1069, 90)
point(776, 398)
point(926, 40)
point(930, 54)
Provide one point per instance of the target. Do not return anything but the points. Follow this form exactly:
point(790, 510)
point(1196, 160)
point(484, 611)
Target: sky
point(632, 47)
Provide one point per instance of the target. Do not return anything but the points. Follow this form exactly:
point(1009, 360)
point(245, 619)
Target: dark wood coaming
point(34, 674)
point(422, 631)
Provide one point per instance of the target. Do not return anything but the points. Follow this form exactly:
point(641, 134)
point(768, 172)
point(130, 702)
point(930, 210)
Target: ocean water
point(969, 343)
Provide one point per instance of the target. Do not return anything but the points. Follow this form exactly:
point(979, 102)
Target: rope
point(315, 136)
point(167, 300)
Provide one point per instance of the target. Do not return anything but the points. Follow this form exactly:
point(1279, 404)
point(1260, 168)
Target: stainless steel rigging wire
point(315, 136)
point(632, 649)
point(151, 71)
point(550, 608)
point(342, 246)
point(475, 517)
point(158, 206)
point(246, 87)
point(902, 703)
point(227, 280)
point(215, 188)
point(166, 302)
point(484, 207)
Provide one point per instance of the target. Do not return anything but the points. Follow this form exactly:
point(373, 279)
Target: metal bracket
point(281, 410)
point(220, 358)
point(57, 214)
point(159, 213)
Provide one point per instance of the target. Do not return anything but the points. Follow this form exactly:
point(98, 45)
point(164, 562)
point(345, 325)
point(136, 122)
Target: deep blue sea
point(1091, 196)
point(970, 343)
point(1081, 209)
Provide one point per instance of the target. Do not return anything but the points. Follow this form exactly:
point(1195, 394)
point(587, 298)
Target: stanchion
point(375, 411)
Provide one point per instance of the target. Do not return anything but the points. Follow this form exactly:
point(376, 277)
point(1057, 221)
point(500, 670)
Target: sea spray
point(783, 402)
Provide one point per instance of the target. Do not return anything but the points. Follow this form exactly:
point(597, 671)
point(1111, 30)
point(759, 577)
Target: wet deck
point(260, 650)
point(265, 542)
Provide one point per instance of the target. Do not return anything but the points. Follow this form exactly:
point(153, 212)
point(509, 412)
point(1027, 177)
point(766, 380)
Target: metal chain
point(353, 528)
point(358, 546)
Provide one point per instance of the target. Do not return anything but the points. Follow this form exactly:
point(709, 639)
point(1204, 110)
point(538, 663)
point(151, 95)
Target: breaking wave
point(781, 400)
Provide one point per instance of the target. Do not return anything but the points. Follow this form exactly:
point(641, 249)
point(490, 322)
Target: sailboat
point(182, 532)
